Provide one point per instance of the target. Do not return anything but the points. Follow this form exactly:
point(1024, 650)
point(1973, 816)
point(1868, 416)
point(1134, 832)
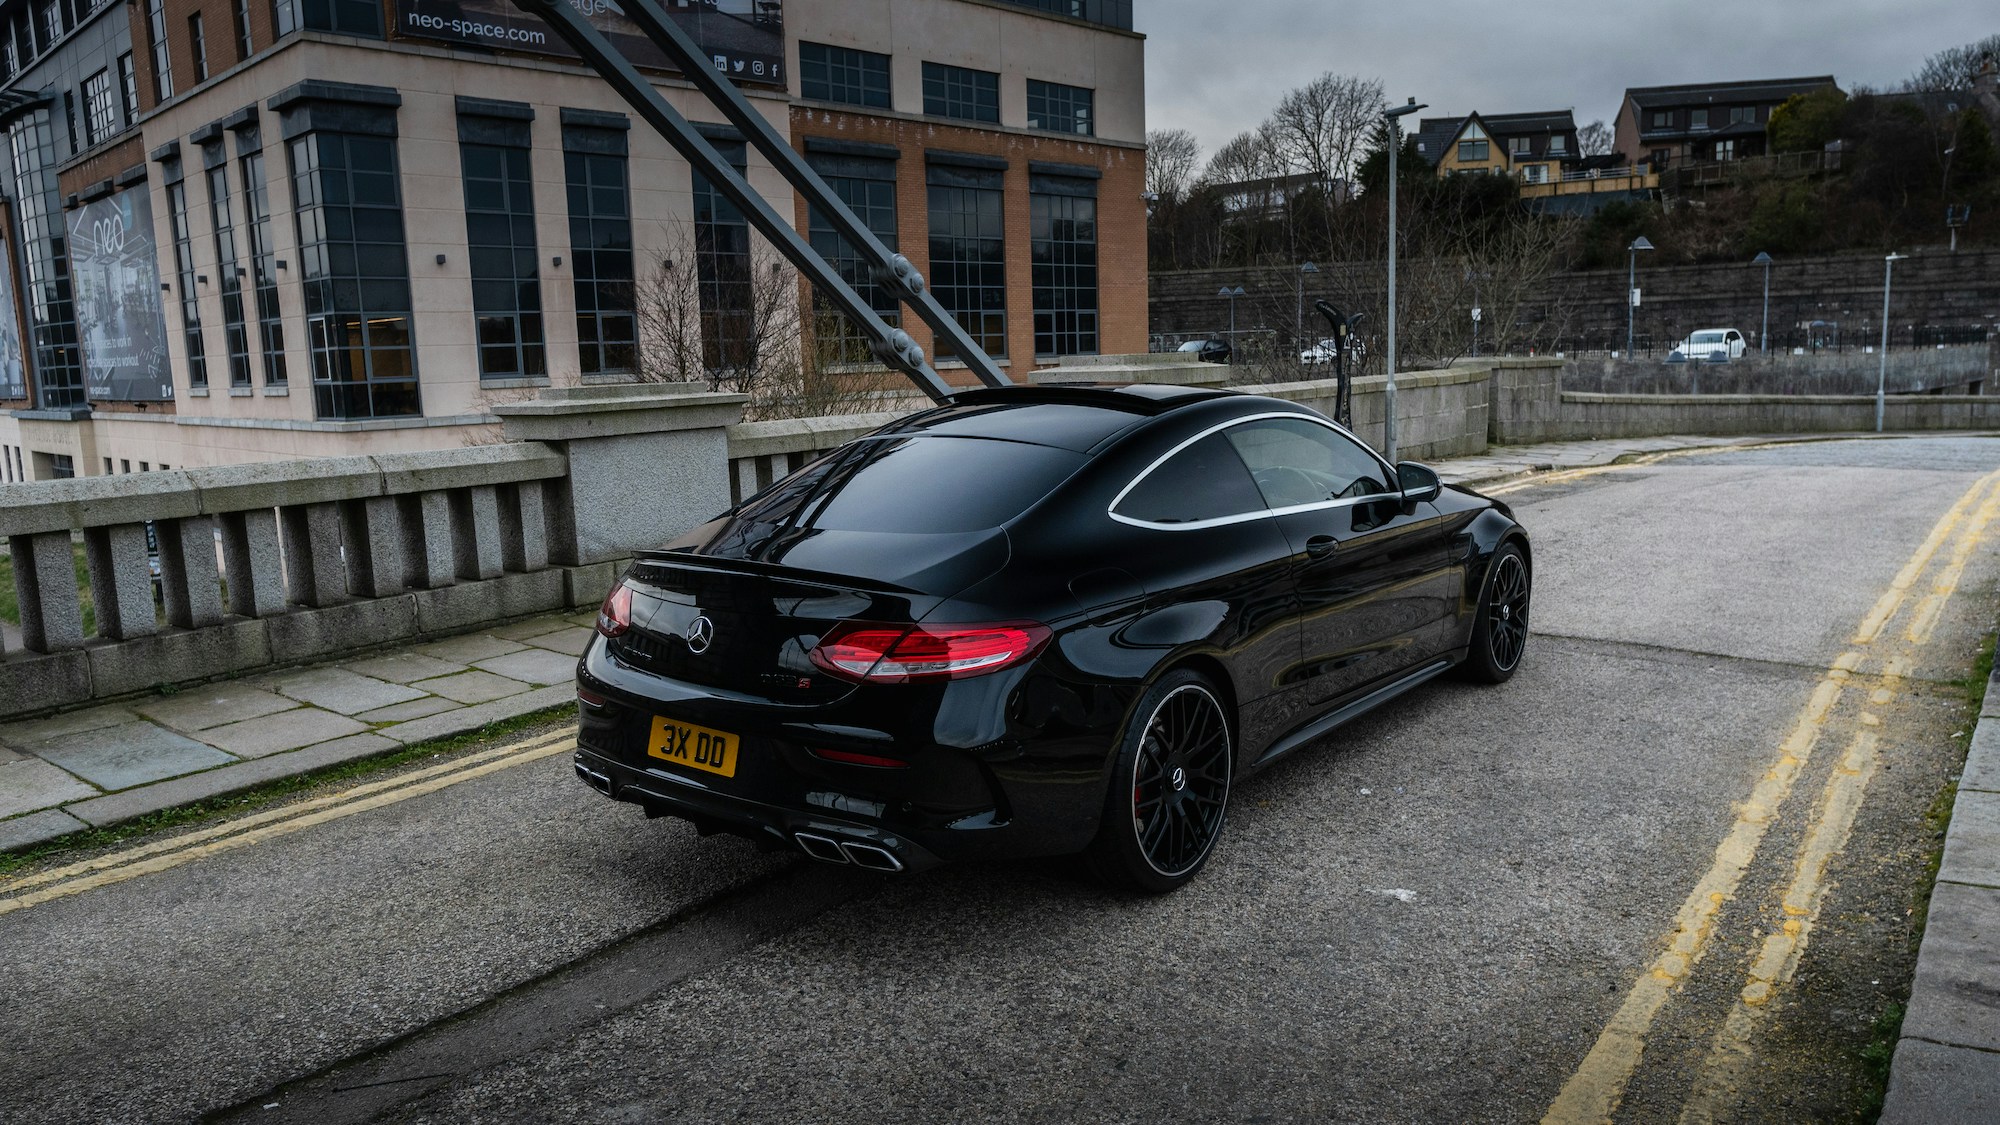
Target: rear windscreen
point(915, 485)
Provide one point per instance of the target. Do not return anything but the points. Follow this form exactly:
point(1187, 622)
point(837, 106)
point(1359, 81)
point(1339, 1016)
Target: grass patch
point(1878, 1055)
point(270, 793)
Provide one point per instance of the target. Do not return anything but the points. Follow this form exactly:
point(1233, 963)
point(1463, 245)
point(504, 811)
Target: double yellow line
point(1594, 1091)
point(164, 855)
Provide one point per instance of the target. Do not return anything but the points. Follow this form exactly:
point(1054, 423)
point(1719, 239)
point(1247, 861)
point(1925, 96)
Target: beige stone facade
point(222, 424)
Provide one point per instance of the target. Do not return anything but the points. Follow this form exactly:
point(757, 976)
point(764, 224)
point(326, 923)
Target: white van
point(1714, 344)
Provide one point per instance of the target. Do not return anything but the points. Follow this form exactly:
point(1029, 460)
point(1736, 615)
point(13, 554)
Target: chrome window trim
point(1261, 513)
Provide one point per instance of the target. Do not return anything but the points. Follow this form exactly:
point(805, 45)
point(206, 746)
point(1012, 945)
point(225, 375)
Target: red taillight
point(615, 616)
point(850, 758)
point(899, 654)
point(590, 698)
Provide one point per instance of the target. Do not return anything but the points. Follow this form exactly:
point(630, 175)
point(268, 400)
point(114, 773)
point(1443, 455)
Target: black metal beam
point(892, 345)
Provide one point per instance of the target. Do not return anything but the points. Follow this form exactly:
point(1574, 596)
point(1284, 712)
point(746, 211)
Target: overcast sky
point(1216, 67)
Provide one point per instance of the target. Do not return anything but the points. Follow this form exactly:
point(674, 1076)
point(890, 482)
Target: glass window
point(285, 16)
point(870, 192)
point(1205, 481)
point(968, 261)
point(1473, 152)
point(99, 110)
point(844, 75)
point(1060, 109)
point(245, 47)
point(177, 222)
point(235, 334)
point(1296, 461)
point(1663, 119)
point(44, 263)
point(350, 17)
point(128, 87)
point(1520, 146)
point(1725, 150)
point(1698, 119)
point(354, 266)
point(263, 270)
point(723, 282)
point(962, 93)
point(1063, 247)
point(1743, 115)
point(1558, 143)
point(506, 266)
point(600, 235)
point(921, 484)
point(198, 47)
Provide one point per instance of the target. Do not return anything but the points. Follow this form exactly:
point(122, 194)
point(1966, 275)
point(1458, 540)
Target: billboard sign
point(13, 349)
point(744, 39)
point(121, 322)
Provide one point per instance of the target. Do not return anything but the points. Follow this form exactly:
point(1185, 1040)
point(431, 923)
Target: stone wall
point(1931, 288)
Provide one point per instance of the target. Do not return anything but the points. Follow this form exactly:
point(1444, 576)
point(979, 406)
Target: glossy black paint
point(1016, 762)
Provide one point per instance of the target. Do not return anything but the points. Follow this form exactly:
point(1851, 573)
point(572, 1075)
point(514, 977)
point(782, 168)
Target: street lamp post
point(1395, 119)
point(1882, 373)
point(1764, 337)
point(1632, 287)
point(1231, 293)
point(1299, 315)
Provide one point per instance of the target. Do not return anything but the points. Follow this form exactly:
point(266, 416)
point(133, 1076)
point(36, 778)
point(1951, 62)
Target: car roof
point(1076, 416)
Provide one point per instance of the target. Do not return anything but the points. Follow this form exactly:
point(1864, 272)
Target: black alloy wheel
point(1500, 635)
point(1170, 788)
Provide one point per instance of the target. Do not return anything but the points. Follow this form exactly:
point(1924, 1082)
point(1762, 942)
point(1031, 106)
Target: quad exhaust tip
point(598, 781)
point(828, 850)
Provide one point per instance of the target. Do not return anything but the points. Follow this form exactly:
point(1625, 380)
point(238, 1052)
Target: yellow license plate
point(685, 744)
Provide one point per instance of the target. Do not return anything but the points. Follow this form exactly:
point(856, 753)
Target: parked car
point(1716, 345)
point(1215, 349)
point(1324, 351)
point(1039, 621)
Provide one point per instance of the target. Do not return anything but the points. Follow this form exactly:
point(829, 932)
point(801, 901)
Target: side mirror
point(1419, 482)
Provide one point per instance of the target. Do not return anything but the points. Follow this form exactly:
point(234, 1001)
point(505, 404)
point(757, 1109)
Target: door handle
point(1320, 546)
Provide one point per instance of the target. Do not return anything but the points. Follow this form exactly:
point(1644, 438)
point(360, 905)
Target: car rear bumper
point(1013, 790)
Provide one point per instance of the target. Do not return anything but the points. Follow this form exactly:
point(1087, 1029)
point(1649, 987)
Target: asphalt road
point(1663, 875)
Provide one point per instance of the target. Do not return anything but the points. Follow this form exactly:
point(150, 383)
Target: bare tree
point(1246, 156)
point(1173, 157)
point(1595, 139)
point(1320, 128)
point(1954, 68)
point(732, 318)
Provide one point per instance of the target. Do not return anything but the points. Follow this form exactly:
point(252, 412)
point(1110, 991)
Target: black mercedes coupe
point(1039, 621)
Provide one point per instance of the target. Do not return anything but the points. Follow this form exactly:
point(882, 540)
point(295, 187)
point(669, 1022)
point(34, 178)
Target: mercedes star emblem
point(700, 635)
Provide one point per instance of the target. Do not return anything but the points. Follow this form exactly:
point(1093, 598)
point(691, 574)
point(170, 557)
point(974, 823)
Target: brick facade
point(1121, 218)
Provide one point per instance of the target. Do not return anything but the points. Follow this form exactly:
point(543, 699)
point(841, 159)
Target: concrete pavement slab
point(27, 736)
point(1972, 847)
point(1938, 1085)
point(337, 689)
point(473, 687)
point(1982, 760)
point(571, 641)
point(403, 667)
point(37, 828)
point(464, 719)
point(213, 705)
point(289, 730)
point(119, 807)
point(532, 627)
point(132, 754)
point(404, 712)
point(31, 784)
point(9, 755)
point(1955, 998)
point(466, 649)
point(535, 666)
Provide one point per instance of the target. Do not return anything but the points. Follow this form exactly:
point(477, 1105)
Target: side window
point(1294, 461)
point(1205, 481)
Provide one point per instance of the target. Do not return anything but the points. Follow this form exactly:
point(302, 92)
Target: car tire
point(1169, 791)
point(1500, 631)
